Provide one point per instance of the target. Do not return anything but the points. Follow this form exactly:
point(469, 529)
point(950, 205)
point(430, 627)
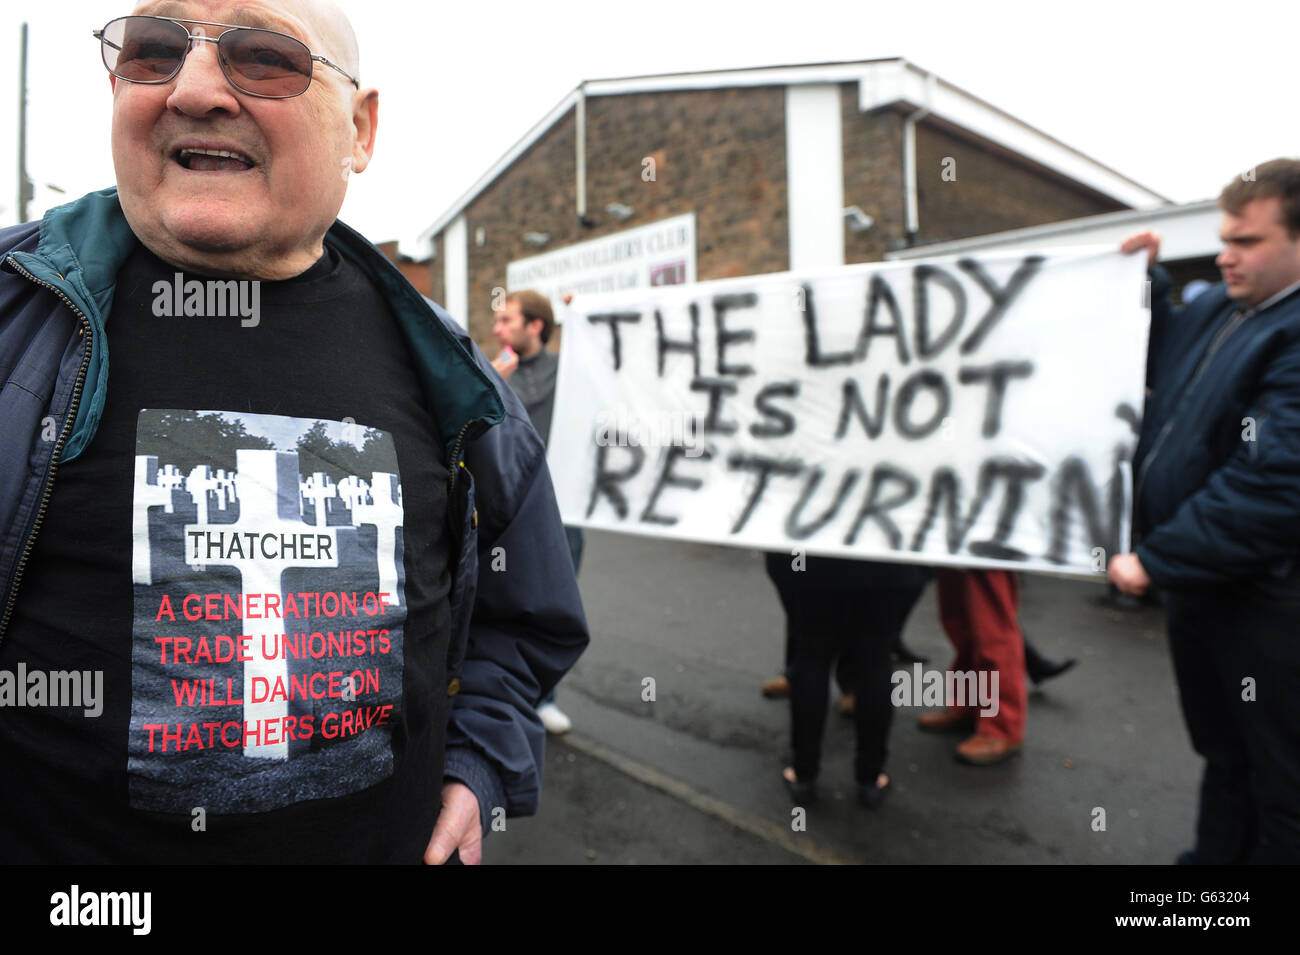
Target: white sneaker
point(554, 719)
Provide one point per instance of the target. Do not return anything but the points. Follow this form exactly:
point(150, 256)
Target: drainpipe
point(909, 160)
point(580, 145)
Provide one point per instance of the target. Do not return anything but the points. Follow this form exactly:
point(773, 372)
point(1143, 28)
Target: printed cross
point(148, 493)
point(171, 478)
point(354, 491)
point(200, 482)
point(319, 490)
point(385, 514)
point(267, 482)
point(225, 489)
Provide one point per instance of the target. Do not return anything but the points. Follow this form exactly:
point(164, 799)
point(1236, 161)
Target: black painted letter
point(613, 318)
point(721, 305)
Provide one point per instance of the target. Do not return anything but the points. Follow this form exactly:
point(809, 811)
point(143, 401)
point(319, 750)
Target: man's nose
point(1226, 258)
point(201, 86)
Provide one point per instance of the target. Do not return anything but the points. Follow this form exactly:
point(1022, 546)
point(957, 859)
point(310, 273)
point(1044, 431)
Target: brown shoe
point(846, 704)
point(776, 688)
point(984, 749)
point(947, 720)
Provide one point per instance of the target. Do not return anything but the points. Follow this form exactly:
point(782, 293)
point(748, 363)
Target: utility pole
point(24, 186)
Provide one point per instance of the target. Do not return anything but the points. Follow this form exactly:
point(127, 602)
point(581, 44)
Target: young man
point(523, 326)
point(1217, 506)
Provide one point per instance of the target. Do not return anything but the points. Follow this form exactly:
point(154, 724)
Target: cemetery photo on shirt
point(269, 610)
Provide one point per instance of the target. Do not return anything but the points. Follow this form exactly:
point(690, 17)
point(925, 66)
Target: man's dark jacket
point(1217, 471)
point(512, 635)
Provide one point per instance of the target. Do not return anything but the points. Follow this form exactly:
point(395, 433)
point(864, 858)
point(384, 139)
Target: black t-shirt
point(252, 559)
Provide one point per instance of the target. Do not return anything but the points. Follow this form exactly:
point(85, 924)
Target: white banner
point(977, 411)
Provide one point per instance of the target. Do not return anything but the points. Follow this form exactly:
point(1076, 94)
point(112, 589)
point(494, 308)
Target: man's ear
point(365, 120)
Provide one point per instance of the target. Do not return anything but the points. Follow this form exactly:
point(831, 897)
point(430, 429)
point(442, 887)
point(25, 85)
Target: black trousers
point(852, 610)
point(1237, 661)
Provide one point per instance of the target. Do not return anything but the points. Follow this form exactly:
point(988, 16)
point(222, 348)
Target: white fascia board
point(1186, 231)
point(898, 81)
point(720, 79)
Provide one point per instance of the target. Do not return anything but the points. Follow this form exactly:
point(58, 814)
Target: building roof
point(881, 83)
point(1187, 231)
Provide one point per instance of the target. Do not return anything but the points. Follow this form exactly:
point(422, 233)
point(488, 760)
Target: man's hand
point(457, 828)
point(506, 363)
point(1143, 240)
point(1126, 573)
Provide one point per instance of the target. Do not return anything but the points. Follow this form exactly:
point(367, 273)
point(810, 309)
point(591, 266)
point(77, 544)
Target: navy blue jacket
point(513, 635)
point(1217, 470)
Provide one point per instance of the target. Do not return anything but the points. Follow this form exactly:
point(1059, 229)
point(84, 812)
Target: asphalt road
point(694, 776)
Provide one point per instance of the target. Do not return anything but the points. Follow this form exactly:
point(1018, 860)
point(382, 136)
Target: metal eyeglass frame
point(315, 57)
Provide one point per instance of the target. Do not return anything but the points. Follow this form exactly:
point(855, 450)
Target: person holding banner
point(1217, 507)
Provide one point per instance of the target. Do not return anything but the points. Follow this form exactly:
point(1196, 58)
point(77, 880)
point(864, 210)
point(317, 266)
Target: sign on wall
point(976, 411)
point(662, 253)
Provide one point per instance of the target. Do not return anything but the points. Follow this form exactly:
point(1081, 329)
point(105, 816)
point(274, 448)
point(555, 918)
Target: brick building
point(418, 274)
point(757, 170)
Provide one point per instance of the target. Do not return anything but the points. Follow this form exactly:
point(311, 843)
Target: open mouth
point(212, 160)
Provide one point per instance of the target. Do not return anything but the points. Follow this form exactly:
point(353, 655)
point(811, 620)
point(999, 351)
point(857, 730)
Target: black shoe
point(903, 654)
point(1042, 668)
point(872, 796)
point(803, 793)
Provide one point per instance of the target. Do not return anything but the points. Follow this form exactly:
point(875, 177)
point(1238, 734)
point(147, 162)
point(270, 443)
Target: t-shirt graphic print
point(268, 613)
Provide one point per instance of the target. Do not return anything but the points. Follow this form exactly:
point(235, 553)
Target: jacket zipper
point(455, 457)
point(89, 333)
point(1219, 339)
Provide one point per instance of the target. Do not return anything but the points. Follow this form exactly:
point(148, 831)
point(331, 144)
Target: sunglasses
point(256, 62)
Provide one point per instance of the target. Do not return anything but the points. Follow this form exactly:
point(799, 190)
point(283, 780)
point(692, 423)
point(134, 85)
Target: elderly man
point(1217, 502)
point(304, 531)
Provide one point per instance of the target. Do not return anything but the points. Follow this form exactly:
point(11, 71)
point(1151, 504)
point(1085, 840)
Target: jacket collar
point(1289, 290)
point(84, 243)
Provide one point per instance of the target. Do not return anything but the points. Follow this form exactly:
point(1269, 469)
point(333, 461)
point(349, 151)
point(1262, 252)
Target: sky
point(1179, 96)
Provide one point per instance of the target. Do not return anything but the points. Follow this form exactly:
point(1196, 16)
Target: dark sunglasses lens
point(266, 63)
point(142, 49)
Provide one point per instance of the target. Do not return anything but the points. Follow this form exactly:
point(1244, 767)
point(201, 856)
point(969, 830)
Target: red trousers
point(978, 609)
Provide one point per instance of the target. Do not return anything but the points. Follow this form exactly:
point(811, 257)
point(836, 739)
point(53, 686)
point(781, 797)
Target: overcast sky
point(1179, 96)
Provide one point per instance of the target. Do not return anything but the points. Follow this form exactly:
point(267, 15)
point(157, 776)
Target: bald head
point(338, 41)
